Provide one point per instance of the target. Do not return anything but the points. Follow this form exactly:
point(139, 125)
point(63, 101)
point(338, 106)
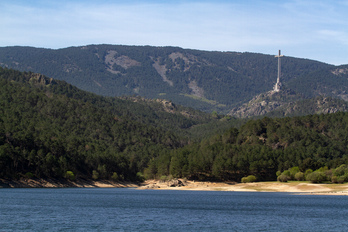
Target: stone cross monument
point(278, 85)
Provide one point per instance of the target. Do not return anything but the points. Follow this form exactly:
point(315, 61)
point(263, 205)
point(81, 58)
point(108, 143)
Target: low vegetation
point(248, 179)
point(323, 174)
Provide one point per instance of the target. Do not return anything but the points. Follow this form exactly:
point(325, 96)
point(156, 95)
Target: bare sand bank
point(290, 187)
point(62, 183)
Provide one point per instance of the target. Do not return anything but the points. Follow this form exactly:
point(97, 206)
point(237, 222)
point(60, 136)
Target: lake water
point(114, 209)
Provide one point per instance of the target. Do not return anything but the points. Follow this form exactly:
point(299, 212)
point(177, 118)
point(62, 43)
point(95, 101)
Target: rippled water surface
point(112, 209)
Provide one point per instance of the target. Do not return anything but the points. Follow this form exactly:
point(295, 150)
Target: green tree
point(95, 175)
point(70, 175)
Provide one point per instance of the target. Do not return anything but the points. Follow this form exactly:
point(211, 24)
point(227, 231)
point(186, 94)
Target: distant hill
point(204, 80)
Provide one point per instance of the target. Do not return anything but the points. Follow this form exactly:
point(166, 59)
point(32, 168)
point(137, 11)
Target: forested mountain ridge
point(158, 113)
point(204, 80)
point(49, 127)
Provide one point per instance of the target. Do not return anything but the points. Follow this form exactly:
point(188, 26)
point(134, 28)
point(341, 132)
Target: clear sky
point(313, 29)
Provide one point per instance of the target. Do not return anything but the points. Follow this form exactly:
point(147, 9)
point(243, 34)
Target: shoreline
point(302, 188)
point(63, 183)
point(295, 187)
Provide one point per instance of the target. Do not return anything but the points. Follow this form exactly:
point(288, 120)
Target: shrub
point(345, 177)
point(299, 176)
point(102, 173)
point(341, 170)
point(278, 173)
point(140, 177)
point(293, 171)
point(248, 179)
point(334, 179)
point(340, 180)
point(70, 175)
point(322, 169)
point(283, 178)
point(316, 177)
point(307, 172)
point(114, 176)
point(95, 175)
point(29, 175)
point(287, 174)
point(328, 174)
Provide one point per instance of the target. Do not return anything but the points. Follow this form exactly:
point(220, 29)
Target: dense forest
point(50, 129)
point(208, 81)
point(48, 134)
point(261, 148)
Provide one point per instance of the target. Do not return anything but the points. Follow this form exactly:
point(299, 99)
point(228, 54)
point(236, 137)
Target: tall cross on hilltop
point(278, 85)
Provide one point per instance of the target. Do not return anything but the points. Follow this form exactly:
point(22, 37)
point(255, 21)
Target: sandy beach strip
point(289, 187)
point(63, 183)
point(295, 187)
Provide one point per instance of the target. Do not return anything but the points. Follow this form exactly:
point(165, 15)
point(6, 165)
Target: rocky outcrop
point(175, 183)
point(340, 71)
point(168, 106)
point(265, 103)
point(40, 79)
point(158, 184)
point(111, 59)
point(161, 70)
point(288, 103)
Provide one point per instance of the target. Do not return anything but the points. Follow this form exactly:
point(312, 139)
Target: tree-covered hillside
point(48, 134)
point(49, 127)
point(261, 148)
point(203, 80)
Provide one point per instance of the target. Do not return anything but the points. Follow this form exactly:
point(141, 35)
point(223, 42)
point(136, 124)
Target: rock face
point(287, 103)
point(175, 183)
point(265, 103)
point(40, 79)
point(157, 184)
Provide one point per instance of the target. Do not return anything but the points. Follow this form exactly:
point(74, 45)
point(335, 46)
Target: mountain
point(203, 80)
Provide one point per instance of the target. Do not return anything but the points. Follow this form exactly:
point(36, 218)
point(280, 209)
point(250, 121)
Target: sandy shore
point(290, 187)
point(62, 183)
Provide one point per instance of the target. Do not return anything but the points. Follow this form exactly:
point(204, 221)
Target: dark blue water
point(112, 209)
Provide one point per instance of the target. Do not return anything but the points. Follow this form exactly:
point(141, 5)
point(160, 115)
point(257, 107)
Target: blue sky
point(313, 29)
